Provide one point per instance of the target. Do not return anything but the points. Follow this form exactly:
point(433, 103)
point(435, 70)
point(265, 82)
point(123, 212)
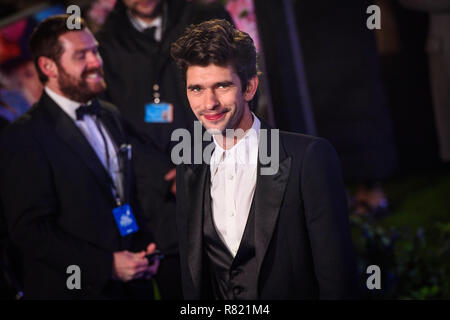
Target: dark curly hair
point(219, 43)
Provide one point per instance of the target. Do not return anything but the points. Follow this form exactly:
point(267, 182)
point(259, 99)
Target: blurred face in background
point(144, 8)
point(24, 78)
point(29, 82)
point(80, 67)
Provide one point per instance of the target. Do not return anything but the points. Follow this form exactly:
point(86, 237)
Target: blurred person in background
point(22, 87)
point(144, 84)
point(438, 49)
point(348, 96)
point(7, 114)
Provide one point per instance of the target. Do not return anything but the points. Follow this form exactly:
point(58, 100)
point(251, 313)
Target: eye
point(223, 85)
point(195, 89)
point(80, 55)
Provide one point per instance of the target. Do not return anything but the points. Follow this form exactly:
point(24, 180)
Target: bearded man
point(66, 179)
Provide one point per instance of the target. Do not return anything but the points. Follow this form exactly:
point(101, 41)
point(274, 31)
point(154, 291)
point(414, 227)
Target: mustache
point(87, 71)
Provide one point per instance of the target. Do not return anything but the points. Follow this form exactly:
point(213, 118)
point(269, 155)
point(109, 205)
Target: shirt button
point(231, 177)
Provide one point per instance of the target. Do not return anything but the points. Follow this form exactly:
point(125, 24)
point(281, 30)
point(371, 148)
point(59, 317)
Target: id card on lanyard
point(123, 214)
point(125, 220)
point(157, 111)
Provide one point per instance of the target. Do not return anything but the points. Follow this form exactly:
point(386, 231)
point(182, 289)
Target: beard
point(78, 89)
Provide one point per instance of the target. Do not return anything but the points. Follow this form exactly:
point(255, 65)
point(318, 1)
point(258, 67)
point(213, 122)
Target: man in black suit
point(251, 228)
point(66, 182)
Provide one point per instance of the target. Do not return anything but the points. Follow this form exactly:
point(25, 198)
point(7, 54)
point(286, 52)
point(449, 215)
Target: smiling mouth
point(93, 76)
point(214, 117)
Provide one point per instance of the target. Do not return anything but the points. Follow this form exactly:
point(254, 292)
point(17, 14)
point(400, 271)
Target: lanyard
point(158, 67)
point(125, 148)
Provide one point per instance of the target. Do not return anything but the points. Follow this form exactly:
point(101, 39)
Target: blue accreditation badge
point(125, 220)
point(159, 112)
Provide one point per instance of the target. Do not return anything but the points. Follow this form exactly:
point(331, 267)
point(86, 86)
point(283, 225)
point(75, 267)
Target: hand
point(171, 175)
point(128, 265)
point(152, 269)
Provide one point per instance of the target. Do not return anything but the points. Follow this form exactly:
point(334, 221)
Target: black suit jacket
point(302, 238)
point(58, 203)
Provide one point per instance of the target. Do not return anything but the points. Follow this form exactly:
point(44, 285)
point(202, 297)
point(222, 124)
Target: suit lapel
point(115, 130)
point(68, 132)
point(269, 194)
point(111, 123)
point(195, 181)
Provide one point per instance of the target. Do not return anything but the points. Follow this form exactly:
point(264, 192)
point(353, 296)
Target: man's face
point(80, 68)
point(143, 8)
point(216, 98)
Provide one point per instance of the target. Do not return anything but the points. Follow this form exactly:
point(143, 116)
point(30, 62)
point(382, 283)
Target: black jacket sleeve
point(328, 222)
point(30, 205)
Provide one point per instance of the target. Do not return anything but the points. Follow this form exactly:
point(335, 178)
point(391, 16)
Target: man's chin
point(214, 131)
point(98, 88)
point(151, 12)
point(83, 96)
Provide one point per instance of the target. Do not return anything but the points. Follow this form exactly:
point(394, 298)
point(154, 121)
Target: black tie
point(92, 109)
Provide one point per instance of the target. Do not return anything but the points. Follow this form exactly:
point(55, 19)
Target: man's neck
point(141, 25)
point(56, 90)
point(144, 19)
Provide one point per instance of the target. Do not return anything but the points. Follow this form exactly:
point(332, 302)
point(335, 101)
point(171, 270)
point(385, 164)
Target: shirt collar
point(140, 25)
point(248, 143)
point(69, 106)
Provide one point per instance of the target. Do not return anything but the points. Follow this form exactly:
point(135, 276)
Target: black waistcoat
point(231, 279)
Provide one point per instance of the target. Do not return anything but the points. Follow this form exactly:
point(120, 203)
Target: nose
point(94, 60)
point(211, 101)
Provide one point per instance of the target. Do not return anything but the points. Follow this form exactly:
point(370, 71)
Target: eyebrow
point(217, 84)
point(194, 86)
point(224, 84)
point(85, 49)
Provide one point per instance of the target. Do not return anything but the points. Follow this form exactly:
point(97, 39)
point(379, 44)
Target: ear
point(252, 86)
point(48, 67)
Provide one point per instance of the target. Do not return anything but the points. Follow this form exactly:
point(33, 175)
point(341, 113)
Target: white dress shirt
point(233, 183)
point(141, 25)
point(90, 130)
